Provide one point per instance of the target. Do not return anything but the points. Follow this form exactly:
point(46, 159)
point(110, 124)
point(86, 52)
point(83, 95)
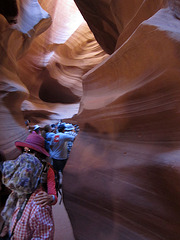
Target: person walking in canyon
point(29, 220)
point(59, 150)
point(33, 146)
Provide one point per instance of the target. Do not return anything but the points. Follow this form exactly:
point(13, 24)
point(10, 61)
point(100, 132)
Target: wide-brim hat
point(35, 142)
point(69, 127)
point(36, 127)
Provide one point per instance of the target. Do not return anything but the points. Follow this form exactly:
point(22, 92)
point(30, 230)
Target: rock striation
point(115, 72)
point(124, 164)
point(42, 63)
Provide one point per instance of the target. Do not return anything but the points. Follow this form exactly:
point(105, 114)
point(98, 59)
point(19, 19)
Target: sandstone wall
point(124, 165)
point(121, 181)
point(44, 57)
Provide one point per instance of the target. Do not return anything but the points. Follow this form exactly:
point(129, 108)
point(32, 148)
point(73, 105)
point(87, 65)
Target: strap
point(49, 165)
point(20, 212)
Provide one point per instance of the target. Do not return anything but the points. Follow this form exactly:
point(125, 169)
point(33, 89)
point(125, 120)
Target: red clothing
point(35, 223)
point(51, 184)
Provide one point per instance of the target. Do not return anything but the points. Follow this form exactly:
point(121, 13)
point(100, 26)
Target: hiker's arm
point(69, 137)
point(49, 198)
point(43, 199)
point(51, 186)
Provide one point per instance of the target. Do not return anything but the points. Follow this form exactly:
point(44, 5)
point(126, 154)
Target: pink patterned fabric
point(36, 222)
point(51, 184)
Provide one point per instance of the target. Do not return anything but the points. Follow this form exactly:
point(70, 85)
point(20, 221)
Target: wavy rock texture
point(42, 63)
point(14, 43)
point(122, 177)
point(124, 164)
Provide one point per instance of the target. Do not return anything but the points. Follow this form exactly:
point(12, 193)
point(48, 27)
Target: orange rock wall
point(124, 164)
point(44, 57)
point(122, 177)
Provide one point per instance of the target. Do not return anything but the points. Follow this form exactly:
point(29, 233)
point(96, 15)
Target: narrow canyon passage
point(112, 67)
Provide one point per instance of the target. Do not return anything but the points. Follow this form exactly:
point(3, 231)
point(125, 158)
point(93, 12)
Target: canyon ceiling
point(112, 67)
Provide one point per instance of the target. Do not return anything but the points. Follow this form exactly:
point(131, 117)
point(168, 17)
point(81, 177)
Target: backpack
point(46, 145)
point(58, 185)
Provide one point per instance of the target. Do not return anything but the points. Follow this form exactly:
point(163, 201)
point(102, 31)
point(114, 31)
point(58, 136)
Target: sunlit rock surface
point(43, 59)
point(122, 178)
point(14, 44)
point(121, 181)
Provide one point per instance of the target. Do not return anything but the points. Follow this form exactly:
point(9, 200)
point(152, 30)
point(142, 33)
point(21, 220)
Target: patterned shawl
point(22, 176)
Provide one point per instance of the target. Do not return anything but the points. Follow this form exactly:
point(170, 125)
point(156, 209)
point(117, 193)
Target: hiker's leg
point(60, 178)
point(59, 164)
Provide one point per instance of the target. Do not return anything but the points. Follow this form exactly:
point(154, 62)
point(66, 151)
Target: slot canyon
point(112, 67)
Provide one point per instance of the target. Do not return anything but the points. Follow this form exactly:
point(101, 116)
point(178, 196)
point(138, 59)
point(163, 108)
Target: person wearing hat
point(69, 129)
point(28, 220)
point(36, 129)
point(34, 146)
point(54, 128)
point(59, 148)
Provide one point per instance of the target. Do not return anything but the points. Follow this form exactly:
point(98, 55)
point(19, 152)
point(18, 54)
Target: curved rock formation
point(14, 43)
point(124, 164)
point(122, 177)
point(41, 66)
point(110, 20)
